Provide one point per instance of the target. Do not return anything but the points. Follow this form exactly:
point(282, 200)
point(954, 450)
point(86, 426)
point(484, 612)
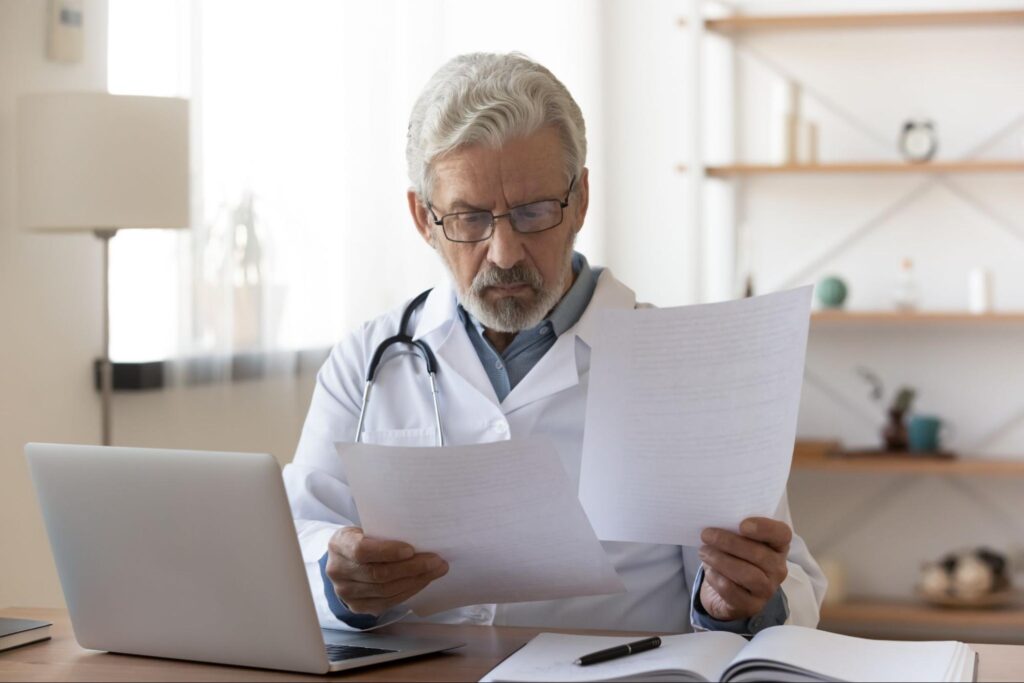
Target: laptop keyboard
point(338, 653)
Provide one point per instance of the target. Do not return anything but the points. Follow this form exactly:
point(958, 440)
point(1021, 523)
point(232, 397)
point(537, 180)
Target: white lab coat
point(551, 401)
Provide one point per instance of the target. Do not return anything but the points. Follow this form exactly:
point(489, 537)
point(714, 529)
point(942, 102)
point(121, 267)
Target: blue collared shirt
point(505, 370)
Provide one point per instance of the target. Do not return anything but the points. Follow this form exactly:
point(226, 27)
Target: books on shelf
point(781, 653)
point(15, 632)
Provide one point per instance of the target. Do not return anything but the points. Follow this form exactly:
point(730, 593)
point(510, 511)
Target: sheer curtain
point(300, 226)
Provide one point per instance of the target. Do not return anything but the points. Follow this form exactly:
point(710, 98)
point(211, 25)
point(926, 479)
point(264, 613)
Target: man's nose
point(506, 245)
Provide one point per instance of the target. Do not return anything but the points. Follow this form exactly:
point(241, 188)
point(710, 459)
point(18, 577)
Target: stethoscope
point(424, 350)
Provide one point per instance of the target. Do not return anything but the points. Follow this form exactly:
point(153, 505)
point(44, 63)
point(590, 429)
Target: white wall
point(648, 243)
point(49, 305)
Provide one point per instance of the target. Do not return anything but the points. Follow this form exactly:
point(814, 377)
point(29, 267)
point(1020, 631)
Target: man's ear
point(421, 217)
point(583, 197)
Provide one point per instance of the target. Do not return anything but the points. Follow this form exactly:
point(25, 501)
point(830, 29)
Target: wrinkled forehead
point(482, 176)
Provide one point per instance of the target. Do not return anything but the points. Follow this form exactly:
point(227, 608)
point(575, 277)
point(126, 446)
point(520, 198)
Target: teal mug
point(924, 433)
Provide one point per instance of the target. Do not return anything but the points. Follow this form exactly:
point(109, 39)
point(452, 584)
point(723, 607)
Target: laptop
point(190, 555)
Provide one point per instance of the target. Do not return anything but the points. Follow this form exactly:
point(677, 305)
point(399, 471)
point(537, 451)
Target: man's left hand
point(743, 571)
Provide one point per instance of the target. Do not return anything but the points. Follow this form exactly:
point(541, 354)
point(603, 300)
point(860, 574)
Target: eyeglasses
point(528, 219)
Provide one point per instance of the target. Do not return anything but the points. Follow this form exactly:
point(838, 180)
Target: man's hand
point(743, 571)
point(370, 575)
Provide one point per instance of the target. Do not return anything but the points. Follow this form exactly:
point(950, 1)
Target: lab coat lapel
point(554, 372)
point(439, 325)
point(557, 369)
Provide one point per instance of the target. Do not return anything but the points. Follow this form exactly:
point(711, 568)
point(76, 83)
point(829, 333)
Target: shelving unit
point(978, 166)
point(790, 22)
point(914, 619)
point(737, 29)
point(827, 457)
point(858, 617)
point(911, 318)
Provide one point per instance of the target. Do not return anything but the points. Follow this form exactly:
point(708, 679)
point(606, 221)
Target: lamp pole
point(106, 369)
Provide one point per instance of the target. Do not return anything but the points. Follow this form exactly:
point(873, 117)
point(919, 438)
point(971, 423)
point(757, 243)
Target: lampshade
point(90, 161)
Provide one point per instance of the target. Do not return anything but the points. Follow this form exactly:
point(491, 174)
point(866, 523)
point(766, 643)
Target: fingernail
point(748, 527)
point(406, 553)
point(706, 535)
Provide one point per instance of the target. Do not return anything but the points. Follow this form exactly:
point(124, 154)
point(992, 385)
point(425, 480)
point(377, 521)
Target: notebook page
point(691, 416)
point(503, 515)
point(853, 659)
point(550, 657)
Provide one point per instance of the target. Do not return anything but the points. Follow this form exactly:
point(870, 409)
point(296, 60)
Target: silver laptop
point(190, 555)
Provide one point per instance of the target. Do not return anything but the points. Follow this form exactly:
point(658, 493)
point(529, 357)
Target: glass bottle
point(906, 294)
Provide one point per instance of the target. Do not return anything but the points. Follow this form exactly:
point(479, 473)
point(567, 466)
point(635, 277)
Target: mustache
point(517, 274)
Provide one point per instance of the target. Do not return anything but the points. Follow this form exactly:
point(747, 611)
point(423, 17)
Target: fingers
point(771, 531)
point(741, 602)
point(371, 575)
point(750, 578)
point(357, 590)
point(376, 598)
point(763, 556)
point(377, 606)
point(746, 569)
point(386, 572)
point(352, 544)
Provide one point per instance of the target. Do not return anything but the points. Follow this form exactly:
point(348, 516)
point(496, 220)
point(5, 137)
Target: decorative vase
point(895, 431)
point(832, 292)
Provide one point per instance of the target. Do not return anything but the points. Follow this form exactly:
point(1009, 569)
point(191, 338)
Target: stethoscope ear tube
point(424, 351)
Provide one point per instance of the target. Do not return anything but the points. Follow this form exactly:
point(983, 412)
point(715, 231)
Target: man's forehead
point(519, 170)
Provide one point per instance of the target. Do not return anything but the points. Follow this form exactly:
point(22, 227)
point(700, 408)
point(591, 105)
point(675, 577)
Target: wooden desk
point(60, 659)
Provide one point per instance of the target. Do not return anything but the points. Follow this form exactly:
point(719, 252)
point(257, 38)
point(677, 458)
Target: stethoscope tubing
point(419, 347)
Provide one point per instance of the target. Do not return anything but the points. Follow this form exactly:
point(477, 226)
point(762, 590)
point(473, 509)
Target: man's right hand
point(370, 575)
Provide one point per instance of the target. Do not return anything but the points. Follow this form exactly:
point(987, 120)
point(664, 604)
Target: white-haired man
point(496, 154)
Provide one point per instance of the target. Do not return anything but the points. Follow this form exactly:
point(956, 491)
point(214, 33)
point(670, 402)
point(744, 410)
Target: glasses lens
point(537, 216)
point(468, 227)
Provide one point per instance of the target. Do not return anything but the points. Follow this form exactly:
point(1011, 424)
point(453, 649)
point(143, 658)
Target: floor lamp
point(99, 163)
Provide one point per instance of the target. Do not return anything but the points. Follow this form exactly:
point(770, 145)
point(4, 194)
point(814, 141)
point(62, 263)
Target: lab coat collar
point(440, 327)
point(557, 370)
point(440, 308)
point(609, 294)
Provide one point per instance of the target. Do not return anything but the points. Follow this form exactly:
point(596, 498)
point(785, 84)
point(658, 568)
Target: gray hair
point(484, 98)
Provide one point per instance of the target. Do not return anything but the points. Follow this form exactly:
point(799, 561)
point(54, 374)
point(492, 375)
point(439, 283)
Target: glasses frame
point(563, 203)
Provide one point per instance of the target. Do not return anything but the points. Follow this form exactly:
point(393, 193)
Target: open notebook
point(781, 653)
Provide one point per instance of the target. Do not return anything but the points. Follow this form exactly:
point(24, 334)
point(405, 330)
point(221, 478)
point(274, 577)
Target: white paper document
point(504, 515)
point(691, 416)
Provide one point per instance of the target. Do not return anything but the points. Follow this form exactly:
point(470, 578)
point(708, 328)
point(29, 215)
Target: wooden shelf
point(863, 614)
point(980, 166)
point(739, 24)
point(826, 456)
point(828, 318)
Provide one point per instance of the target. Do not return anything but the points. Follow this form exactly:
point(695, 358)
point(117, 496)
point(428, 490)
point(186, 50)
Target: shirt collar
point(568, 311)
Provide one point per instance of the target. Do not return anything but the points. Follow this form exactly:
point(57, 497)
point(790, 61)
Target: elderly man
point(496, 154)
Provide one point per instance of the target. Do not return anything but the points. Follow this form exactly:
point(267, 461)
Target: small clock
point(918, 140)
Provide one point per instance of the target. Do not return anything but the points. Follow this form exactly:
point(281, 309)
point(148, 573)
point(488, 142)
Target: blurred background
point(875, 149)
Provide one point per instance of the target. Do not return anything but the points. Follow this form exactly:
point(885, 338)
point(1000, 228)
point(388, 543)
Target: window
point(300, 226)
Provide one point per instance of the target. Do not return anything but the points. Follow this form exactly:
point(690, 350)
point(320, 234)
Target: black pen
point(619, 651)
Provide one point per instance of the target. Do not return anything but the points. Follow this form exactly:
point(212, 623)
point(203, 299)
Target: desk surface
point(62, 659)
